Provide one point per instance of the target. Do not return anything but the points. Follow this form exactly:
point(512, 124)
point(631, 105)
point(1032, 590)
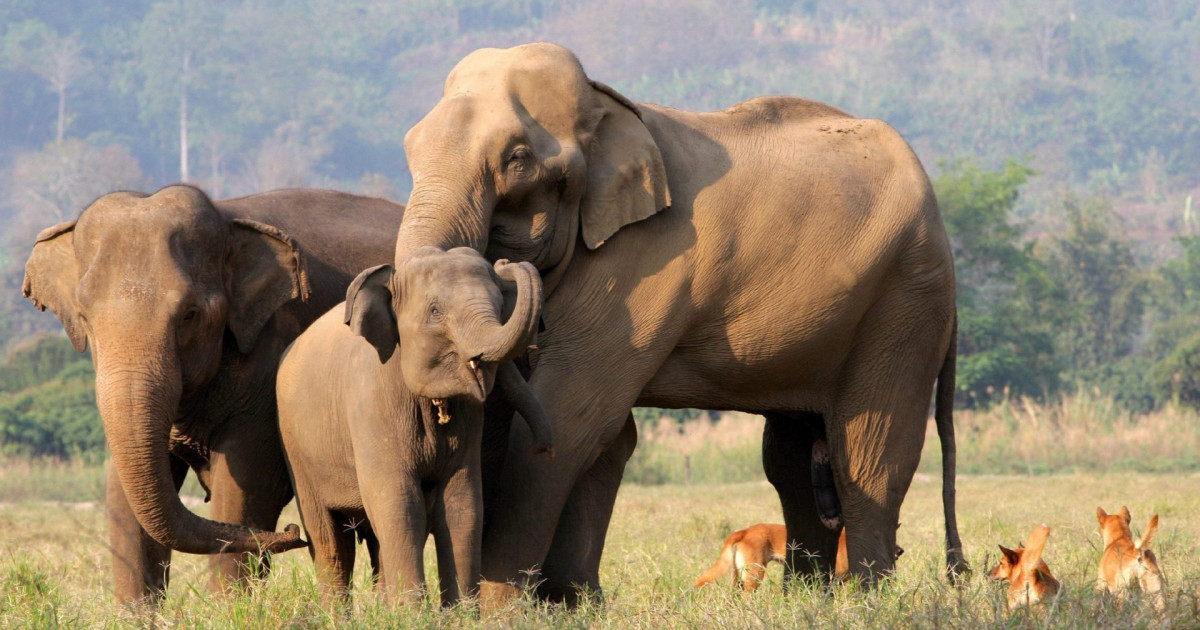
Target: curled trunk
point(508, 341)
point(137, 410)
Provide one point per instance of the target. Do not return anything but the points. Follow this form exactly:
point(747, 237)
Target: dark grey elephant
point(187, 305)
point(780, 257)
point(369, 457)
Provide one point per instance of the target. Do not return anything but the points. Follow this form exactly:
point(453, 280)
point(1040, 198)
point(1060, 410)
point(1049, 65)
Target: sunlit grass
point(54, 566)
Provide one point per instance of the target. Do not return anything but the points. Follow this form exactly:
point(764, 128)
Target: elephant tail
point(943, 414)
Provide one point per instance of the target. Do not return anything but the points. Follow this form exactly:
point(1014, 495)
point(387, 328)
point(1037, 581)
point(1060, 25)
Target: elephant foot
point(825, 496)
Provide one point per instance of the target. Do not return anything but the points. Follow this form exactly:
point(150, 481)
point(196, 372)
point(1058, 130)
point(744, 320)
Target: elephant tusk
point(473, 364)
point(442, 409)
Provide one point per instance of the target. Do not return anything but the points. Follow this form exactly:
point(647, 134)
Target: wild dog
point(1126, 558)
point(1029, 578)
point(744, 557)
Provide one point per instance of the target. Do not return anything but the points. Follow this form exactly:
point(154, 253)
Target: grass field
point(1056, 463)
point(54, 567)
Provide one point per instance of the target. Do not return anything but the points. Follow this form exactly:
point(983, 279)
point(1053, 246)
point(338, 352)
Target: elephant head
point(153, 283)
point(445, 311)
point(522, 155)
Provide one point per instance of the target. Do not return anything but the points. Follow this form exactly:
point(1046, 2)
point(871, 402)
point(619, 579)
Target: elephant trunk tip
point(272, 542)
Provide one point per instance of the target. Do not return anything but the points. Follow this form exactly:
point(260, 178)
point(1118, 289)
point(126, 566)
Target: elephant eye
point(435, 313)
point(189, 316)
point(517, 159)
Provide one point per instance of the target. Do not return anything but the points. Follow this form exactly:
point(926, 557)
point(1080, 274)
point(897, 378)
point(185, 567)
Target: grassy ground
point(54, 567)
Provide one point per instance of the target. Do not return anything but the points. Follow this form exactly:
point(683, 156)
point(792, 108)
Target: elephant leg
point(458, 534)
point(533, 491)
point(572, 566)
point(331, 544)
point(141, 566)
point(787, 460)
point(367, 535)
point(877, 428)
point(250, 486)
point(399, 521)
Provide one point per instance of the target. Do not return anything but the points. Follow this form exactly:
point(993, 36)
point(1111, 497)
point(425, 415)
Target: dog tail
point(1031, 558)
point(1143, 544)
point(725, 564)
point(943, 415)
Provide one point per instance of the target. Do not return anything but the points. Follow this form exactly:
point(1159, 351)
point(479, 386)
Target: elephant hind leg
point(332, 539)
point(876, 431)
point(788, 440)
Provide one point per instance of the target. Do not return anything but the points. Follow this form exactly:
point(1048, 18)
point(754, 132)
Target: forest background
point(1063, 137)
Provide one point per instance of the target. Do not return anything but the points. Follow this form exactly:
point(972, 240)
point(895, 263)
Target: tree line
point(1077, 262)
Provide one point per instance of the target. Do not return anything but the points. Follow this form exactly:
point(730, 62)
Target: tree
point(59, 60)
point(1004, 325)
point(173, 44)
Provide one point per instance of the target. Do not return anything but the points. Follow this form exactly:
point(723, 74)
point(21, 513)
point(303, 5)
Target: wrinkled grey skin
point(370, 457)
point(779, 257)
point(187, 305)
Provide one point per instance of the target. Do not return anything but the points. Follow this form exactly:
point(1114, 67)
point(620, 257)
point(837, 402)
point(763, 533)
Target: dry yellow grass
point(54, 566)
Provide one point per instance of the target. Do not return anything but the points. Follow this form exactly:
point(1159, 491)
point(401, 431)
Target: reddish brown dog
point(1029, 578)
point(744, 557)
point(1127, 559)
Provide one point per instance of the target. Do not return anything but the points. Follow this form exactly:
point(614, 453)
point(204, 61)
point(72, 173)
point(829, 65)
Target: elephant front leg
point(250, 486)
point(458, 534)
point(787, 460)
point(572, 566)
point(141, 566)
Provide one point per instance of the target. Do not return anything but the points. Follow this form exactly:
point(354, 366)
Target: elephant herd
point(779, 257)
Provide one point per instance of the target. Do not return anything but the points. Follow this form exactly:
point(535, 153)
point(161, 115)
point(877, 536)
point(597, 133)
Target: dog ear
point(1101, 515)
point(1013, 557)
point(1126, 515)
point(1143, 543)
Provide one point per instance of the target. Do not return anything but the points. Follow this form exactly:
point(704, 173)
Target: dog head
point(1114, 526)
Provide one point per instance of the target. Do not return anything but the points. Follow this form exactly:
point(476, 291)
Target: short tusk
point(443, 412)
point(473, 364)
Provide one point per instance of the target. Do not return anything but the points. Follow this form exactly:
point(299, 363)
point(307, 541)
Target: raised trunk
point(508, 341)
point(136, 407)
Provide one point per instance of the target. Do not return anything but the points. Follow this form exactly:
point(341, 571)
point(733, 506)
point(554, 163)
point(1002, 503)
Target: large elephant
point(370, 458)
point(778, 257)
point(187, 305)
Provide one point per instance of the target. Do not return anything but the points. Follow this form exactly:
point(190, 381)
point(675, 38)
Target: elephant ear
point(369, 310)
point(266, 272)
point(51, 274)
point(626, 177)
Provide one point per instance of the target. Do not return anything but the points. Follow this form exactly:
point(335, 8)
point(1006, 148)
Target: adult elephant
point(187, 305)
point(779, 257)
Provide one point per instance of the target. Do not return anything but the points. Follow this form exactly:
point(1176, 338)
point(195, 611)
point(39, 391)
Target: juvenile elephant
point(779, 257)
point(187, 305)
point(370, 457)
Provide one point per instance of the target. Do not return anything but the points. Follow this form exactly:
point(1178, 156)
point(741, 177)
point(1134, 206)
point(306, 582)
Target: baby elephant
point(368, 456)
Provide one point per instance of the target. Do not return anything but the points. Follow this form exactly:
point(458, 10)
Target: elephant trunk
point(517, 392)
point(507, 341)
point(136, 406)
point(443, 215)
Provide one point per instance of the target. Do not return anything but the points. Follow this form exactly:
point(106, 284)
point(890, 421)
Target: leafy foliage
point(48, 402)
point(1004, 332)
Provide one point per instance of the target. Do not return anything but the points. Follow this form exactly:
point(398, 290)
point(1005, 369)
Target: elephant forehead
point(445, 272)
point(546, 80)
